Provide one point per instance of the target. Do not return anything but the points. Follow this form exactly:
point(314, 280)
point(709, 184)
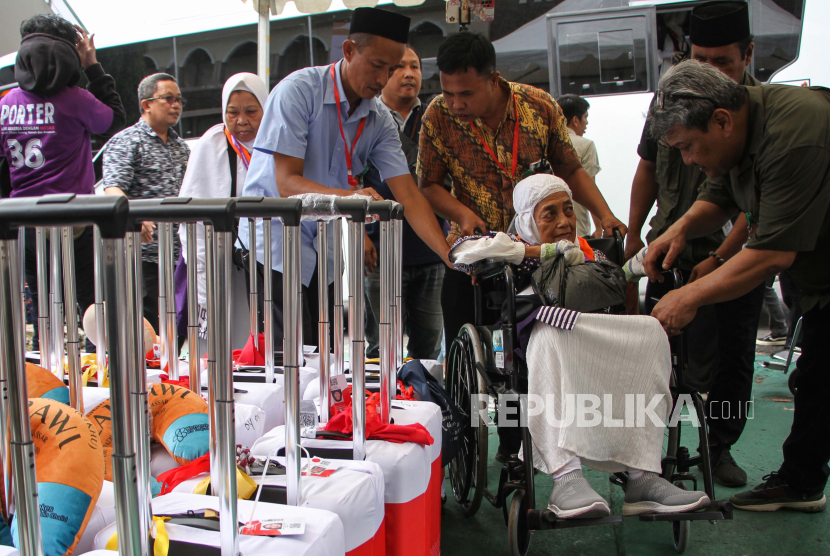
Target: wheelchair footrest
point(718, 510)
point(540, 520)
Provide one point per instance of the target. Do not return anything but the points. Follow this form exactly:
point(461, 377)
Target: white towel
point(602, 355)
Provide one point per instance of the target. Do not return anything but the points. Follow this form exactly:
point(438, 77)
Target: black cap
point(719, 23)
point(389, 25)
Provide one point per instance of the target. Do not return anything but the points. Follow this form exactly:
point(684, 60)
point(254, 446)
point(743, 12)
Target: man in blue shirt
point(321, 127)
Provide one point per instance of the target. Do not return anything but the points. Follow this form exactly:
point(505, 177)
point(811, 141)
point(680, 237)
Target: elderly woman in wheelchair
point(599, 357)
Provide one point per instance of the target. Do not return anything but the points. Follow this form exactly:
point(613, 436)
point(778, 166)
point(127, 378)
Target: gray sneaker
point(652, 494)
point(572, 496)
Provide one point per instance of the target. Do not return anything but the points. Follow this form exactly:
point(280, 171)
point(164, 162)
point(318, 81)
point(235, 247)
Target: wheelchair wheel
point(792, 381)
point(681, 529)
point(468, 470)
point(518, 535)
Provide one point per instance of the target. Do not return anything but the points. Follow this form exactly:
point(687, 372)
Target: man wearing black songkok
point(722, 336)
point(321, 128)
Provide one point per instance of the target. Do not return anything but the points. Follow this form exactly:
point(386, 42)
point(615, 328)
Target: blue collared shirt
point(300, 120)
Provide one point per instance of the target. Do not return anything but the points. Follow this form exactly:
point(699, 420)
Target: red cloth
point(249, 355)
point(376, 430)
point(173, 478)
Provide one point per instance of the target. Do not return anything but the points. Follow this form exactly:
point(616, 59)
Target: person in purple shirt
point(45, 127)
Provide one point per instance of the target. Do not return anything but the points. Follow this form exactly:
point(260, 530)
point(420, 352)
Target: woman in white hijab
point(546, 227)
point(218, 162)
point(545, 223)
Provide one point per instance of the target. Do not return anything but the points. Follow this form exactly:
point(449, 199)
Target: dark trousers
point(150, 293)
point(807, 449)
point(310, 306)
point(732, 328)
point(421, 294)
point(792, 295)
point(84, 275)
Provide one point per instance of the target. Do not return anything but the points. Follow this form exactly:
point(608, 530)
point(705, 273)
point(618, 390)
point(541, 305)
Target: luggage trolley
point(220, 215)
point(109, 214)
point(471, 371)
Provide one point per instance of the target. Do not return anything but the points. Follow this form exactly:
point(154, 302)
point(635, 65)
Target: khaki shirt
point(783, 182)
point(678, 188)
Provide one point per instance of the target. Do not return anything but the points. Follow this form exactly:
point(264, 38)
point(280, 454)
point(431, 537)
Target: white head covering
point(208, 170)
point(244, 82)
point(526, 195)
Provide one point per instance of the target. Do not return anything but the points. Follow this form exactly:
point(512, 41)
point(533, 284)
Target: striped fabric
point(558, 317)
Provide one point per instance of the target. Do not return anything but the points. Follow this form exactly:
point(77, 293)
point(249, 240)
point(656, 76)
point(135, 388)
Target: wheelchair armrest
point(490, 269)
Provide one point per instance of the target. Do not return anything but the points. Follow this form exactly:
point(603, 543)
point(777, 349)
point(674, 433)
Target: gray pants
point(422, 317)
point(777, 320)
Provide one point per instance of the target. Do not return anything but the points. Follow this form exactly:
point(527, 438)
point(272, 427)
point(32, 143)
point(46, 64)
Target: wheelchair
point(474, 373)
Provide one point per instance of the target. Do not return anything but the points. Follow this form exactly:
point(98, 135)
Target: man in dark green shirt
point(766, 151)
point(722, 335)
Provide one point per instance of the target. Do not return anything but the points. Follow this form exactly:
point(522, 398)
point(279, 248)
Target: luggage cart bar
point(137, 376)
point(61, 210)
point(100, 313)
point(355, 210)
point(397, 276)
point(56, 295)
point(219, 215)
point(44, 299)
point(337, 318)
point(194, 374)
point(265, 208)
point(73, 347)
point(168, 211)
point(253, 296)
point(166, 301)
point(323, 317)
point(289, 211)
point(384, 211)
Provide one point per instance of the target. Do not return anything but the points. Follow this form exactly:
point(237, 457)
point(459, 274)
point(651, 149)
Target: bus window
point(601, 54)
point(777, 28)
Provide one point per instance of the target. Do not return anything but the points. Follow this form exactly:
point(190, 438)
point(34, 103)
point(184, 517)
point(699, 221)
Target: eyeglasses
point(171, 100)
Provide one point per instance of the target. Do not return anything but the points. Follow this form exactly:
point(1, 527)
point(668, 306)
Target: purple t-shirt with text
point(46, 140)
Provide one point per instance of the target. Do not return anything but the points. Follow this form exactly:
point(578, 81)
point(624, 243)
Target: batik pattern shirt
point(450, 146)
point(139, 163)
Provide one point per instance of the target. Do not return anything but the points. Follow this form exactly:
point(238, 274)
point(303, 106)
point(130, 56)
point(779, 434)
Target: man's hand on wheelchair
point(663, 251)
point(472, 225)
point(610, 223)
point(674, 311)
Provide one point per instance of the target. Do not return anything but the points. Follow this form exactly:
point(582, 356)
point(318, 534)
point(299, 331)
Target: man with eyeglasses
point(722, 335)
point(148, 161)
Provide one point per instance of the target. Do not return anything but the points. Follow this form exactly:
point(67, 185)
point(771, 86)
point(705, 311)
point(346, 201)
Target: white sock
point(575, 464)
point(634, 474)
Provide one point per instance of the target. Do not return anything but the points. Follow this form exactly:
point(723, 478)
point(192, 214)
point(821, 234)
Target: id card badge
point(337, 387)
point(274, 527)
point(320, 467)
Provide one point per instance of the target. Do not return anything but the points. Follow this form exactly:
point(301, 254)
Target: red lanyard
point(512, 174)
point(352, 180)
